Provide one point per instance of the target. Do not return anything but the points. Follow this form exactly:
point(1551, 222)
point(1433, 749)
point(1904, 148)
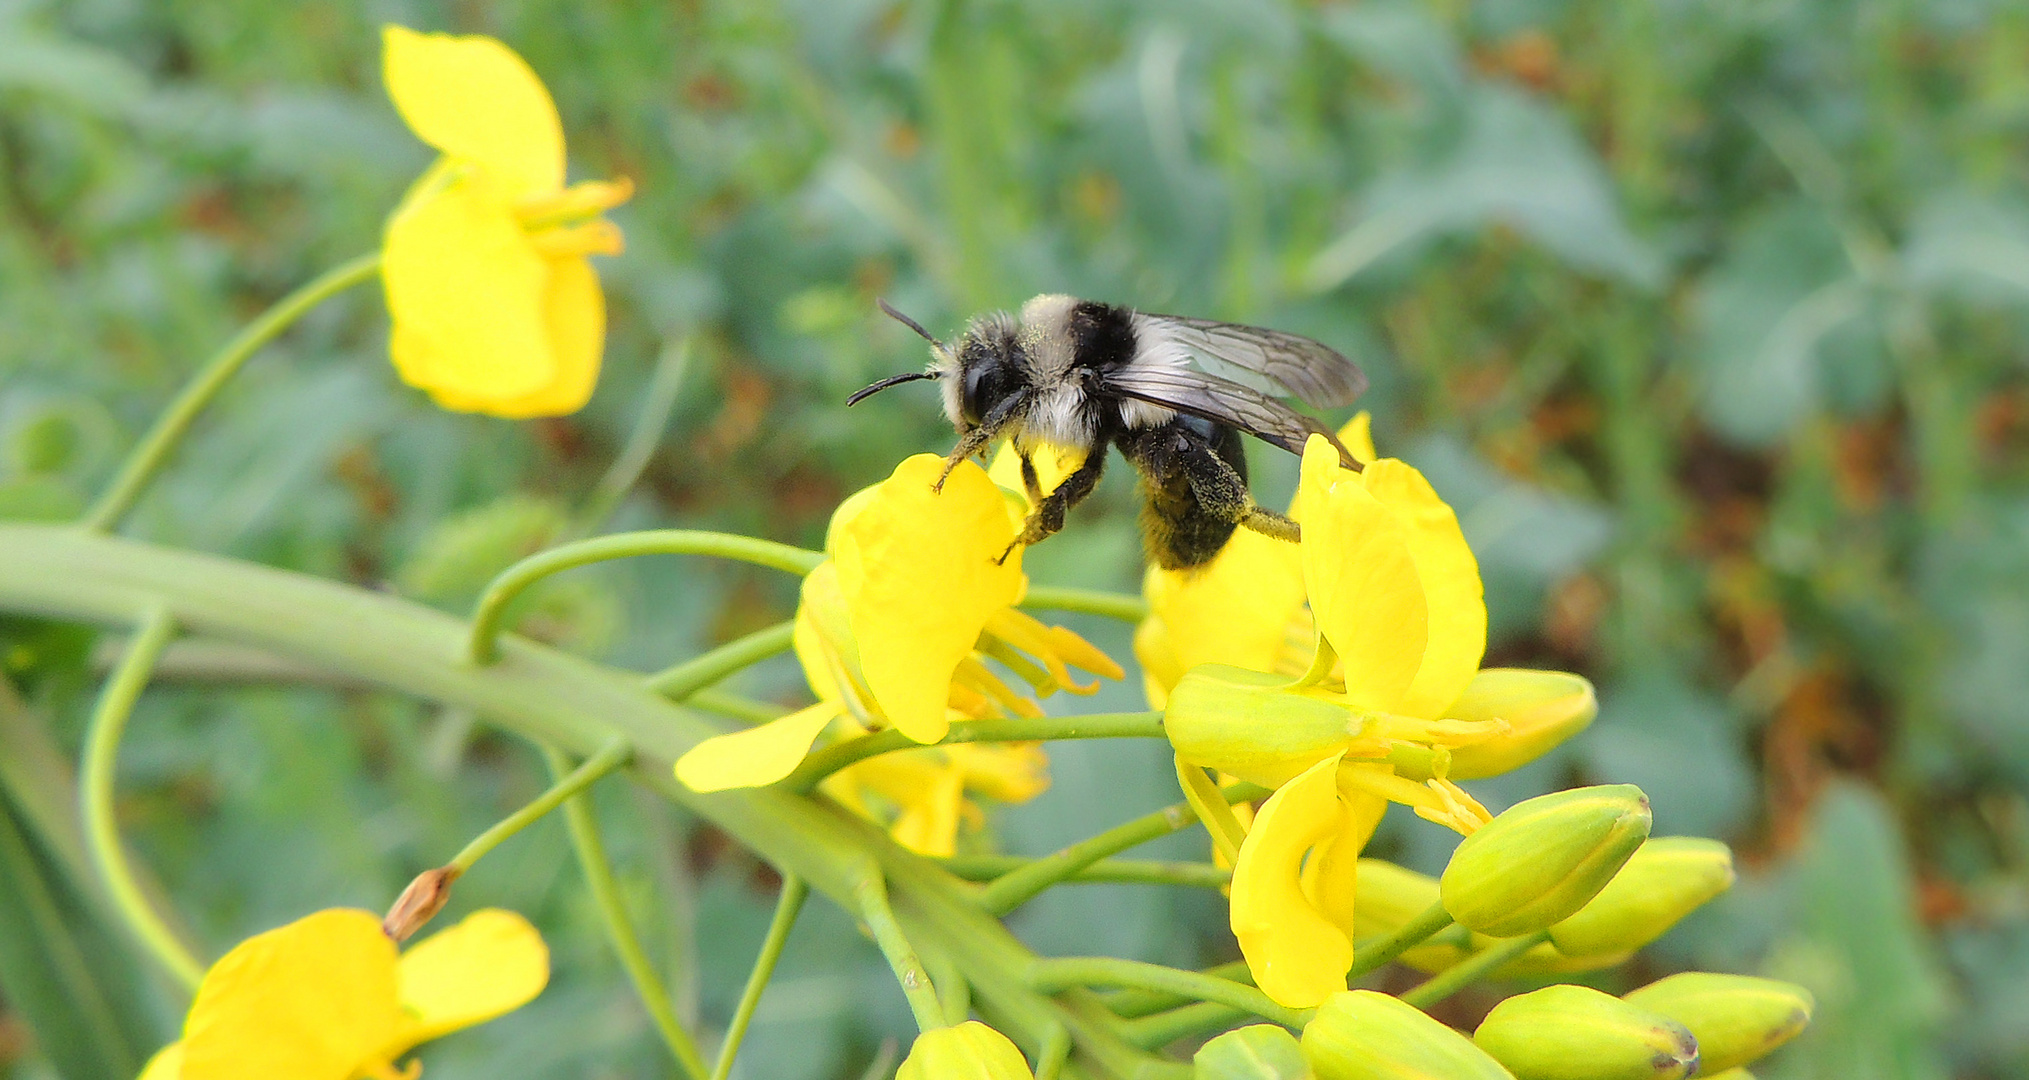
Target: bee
point(1173, 393)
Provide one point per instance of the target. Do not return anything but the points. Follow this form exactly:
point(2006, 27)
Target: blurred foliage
point(1707, 314)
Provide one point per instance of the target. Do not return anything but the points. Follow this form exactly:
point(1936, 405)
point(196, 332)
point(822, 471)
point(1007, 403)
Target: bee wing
point(1270, 361)
point(1212, 398)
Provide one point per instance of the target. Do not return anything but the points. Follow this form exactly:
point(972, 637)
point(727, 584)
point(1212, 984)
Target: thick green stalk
point(1145, 725)
point(485, 645)
point(1110, 871)
point(682, 680)
point(95, 798)
point(583, 826)
point(610, 757)
point(871, 895)
point(1158, 1030)
point(1138, 1003)
point(787, 907)
point(1018, 887)
point(153, 451)
point(1123, 606)
point(367, 637)
point(1060, 974)
point(1416, 931)
point(1470, 970)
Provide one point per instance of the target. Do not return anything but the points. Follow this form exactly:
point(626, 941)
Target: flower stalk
point(610, 757)
point(1466, 972)
point(787, 907)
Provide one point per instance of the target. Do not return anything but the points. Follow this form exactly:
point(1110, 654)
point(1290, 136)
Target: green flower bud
point(1539, 862)
point(1736, 1018)
point(1667, 879)
point(1257, 1052)
point(970, 1051)
point(1240, 722)
point(1362, 1035)
point(1541, 708)
point(1578, 1033)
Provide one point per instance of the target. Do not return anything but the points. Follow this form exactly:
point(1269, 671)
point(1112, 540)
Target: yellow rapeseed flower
point(327, 998)
point(495, 306)
point(923, 794)
point(894, 630)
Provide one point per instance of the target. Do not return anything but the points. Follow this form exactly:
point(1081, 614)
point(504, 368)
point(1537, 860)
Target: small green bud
point(1541, 709)
point(1244, 724)
point(1534, 865)
point(1577, 1033)
point(969, 1051)
point(1667, 879)
point(1362, 1035)
point(1736, 1018)
point(1256, 1052)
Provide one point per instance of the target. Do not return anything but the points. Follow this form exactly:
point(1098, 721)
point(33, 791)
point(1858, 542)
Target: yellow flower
point(968, 1051)
point(922, 794)
point(894, 630)
point(327, 998)
point(495, 307)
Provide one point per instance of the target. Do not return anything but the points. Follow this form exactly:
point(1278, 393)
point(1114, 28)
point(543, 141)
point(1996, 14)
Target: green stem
point(1145, 725)
point(154, 449)
point(735, 706)
point(95, 797)
point(1113, 605)
point(954, 993)
point(1161, 1029)
point(1457, 977)
point(1050, 976)
point(1108, 871)
point(1056, 1050)
point(681, 681)
point(671, 364)
point(787, 907)
point(484, 646)
point(871, 895)
point(1136, 1003)
point(614, 755)
point(598, 870)
point(1415, 932)
point(1018, 887)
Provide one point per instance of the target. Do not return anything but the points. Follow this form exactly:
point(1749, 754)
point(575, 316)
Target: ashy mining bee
point(1172, 393)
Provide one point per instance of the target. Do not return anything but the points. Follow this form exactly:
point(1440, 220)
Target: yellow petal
point(917, 570)
point(574, 315)
point(1540, 709)
point(755, 757)
point(491, 963)
point(1331, 876)
point(1007, 772)
point(1236, 610)
point(1052, 466)
point(1362, 578)
point(167, 1064)
point(474, 98)
point(1358, 437)
point(313, 1000)
point(1457, 636)
point(466, 294)
point(929, 821)
point(1297, 955)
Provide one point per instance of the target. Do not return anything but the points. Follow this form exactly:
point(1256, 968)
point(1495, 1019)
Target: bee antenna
point(892, 380)
point(908, 322)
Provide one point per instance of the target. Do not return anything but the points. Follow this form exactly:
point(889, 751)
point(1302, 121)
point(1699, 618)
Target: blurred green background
point(1708, 316)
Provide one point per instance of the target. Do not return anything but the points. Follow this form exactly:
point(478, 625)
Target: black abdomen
point(1178, 530)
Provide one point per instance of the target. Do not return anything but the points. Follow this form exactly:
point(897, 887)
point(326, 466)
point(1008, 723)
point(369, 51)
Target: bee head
point(986, 374)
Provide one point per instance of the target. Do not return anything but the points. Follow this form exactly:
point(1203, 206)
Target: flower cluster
point(894, 630)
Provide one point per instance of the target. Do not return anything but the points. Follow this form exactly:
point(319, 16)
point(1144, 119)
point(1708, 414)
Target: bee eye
point(987, 381)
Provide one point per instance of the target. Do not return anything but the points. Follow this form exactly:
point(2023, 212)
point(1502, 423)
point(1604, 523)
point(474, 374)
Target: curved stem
point(1108, 871)
point(870, 894)
point(671, 364)
point(1416, 931)
point(512, 581)
point(1145, 725)
point(1161, 1029)
point(1014, 889)
point(1123, 606)
point(605, 761)
point(1050, 976)
point(598, 871)
point(1466, 972)
point(148, 457)
point(1130, 1004)
point(95, 797)
point(683, 680)
point(787, 907)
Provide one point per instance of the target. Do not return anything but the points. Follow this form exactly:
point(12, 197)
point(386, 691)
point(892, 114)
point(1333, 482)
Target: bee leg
point(1048, 515)
point(1222, 491)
